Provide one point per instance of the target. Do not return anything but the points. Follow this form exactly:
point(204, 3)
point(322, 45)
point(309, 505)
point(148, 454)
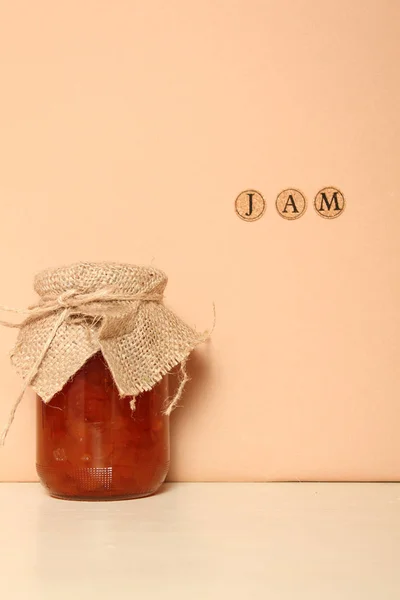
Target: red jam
point(92, 446)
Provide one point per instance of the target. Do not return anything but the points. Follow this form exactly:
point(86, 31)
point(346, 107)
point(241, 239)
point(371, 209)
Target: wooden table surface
point(284, 541)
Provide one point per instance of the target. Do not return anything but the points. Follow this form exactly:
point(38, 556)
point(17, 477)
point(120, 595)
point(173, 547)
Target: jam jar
point(93, 444)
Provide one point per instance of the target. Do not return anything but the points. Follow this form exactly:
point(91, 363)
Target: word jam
point(291, 204)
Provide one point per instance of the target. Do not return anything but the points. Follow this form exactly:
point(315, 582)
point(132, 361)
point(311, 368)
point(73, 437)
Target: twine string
point(96, 306)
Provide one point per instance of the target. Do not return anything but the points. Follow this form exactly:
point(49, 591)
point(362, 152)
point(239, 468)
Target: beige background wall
point(127, 130)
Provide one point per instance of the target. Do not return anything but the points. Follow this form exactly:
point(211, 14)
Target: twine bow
point(77, 303)
point(114, 312)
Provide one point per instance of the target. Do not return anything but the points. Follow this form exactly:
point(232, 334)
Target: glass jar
point(92, 446)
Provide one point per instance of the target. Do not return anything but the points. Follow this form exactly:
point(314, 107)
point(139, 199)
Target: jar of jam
point(97, 348)
point(92, 445)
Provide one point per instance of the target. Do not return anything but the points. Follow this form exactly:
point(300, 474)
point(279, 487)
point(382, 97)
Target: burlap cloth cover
point(113, 308)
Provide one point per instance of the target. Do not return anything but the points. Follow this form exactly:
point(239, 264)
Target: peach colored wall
point(127, 130)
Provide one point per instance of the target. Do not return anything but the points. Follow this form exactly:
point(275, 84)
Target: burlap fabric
point(113, 308)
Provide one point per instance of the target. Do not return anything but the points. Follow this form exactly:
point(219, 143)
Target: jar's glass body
point(92, 445)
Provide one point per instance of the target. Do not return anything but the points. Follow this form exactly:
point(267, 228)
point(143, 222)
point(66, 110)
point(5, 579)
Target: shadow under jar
point(92, 446)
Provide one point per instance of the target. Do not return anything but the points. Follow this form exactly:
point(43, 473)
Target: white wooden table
point(283, 541)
